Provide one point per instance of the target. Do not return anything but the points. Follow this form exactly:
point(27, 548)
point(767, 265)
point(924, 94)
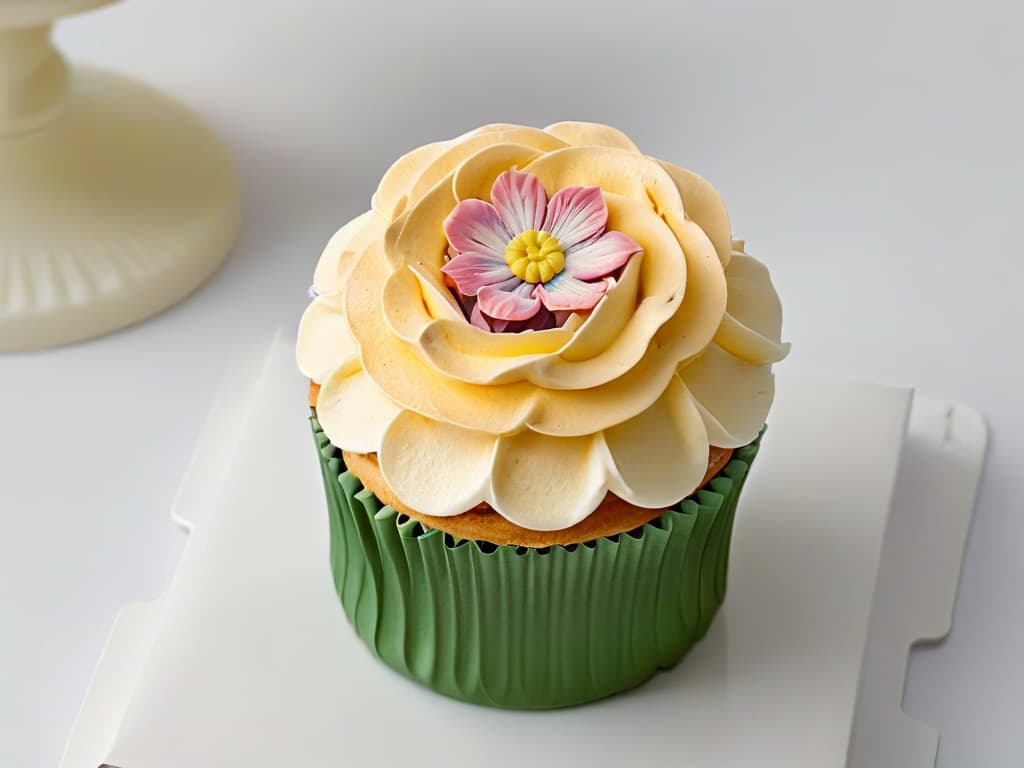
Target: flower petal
point(519, 303)
point(616, 171)
point(343, 248)
point(752, 297)
point(602, 256)
point(460, 149)
point(576, 214)
point(659, 478)
point(476, 317)
point(391, 197)
point(434, 467)
point(438, 299)
point(567, 293)
point(613, 316)
point(472, 271)
point(547, 483)
point(717, 434)
point(736, 394)
point(693, 326)
point(325, 342)
point(353, 411)
point(463, 351)
point(412, 300)
point(418, 236)
point(520, 200)
point(591, 135)
point(475, 226)
point(704, 206)
point(475, 177)
point(748, 344)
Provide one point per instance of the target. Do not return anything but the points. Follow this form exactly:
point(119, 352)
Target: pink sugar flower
point(526, 259)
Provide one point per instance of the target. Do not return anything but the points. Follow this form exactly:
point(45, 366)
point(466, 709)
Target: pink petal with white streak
point(576, 214)
point(472, 271)
point(521, 303)
point(474, 225)
point(480, 320)
point(520, 200)
point(567, 293)
point(476, 317)
point(602, 256)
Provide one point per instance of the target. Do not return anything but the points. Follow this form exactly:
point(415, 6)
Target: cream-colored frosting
point(542, 424)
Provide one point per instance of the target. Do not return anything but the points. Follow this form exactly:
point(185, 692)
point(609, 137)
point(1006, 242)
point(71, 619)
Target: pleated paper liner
point(527, 628)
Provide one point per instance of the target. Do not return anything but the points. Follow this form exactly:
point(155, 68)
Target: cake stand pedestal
point(846, 551)
point(115, 201)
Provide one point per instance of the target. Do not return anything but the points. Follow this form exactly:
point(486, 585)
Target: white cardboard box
point(846, 550)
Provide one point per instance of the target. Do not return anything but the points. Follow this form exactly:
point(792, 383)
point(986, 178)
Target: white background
point(870, 153)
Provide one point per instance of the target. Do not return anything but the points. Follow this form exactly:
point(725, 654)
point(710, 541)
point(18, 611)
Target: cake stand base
point(117, 209)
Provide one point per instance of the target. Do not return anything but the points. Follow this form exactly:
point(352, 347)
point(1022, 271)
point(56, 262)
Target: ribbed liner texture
point(530, 628)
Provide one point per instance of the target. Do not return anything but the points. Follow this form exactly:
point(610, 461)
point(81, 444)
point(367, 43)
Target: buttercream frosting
point(626, 396)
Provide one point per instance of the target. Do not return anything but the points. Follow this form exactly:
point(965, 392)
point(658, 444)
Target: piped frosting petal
point(661, 454)
point(581, 134)
point(548, 483)
point(736, 394)
point(353, 411)
point(343, 249)
point(704, 206)
point(752, 326)
point(325, 342)
point(436, 468)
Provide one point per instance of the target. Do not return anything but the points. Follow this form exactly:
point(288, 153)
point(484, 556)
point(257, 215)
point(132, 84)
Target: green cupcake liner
point(527, 628)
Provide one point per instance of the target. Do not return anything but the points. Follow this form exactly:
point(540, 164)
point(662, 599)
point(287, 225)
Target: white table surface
point(870, 153)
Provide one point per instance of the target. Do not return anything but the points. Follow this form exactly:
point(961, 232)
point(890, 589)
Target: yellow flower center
point(535, 256)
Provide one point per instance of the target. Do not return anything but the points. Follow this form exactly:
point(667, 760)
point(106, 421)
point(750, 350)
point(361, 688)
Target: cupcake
point(540, 372)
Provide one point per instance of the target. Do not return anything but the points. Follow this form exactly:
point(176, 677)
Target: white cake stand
point(115, 201)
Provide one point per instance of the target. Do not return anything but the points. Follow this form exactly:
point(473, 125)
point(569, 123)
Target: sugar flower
point(523, 253)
